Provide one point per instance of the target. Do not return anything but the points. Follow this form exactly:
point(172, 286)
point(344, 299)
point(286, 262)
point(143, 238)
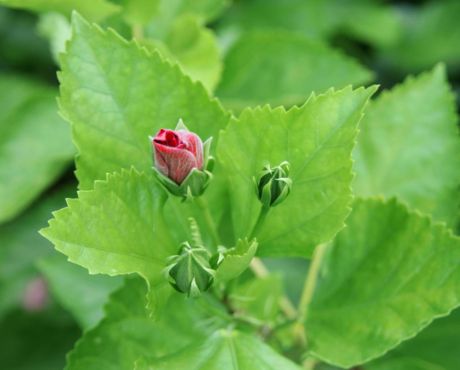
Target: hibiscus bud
point(189, 271)
point(182, 161)
point(273, 185)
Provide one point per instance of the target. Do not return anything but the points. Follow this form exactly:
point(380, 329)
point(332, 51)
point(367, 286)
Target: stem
point(261, 271)
point(260, 221)
point(307, 292)
point(209, 220)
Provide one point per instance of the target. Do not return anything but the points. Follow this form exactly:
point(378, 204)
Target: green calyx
point(197, 180)
point(273, 184)
point(190, 271)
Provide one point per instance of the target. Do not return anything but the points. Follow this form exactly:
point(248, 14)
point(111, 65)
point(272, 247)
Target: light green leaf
point(35, 144)
point(283, 68)
point(225, 350)
point(430, 34)
point(236, 260)
point(127, 333)
point(95, 10)
point(194, 47)
point(116, 94)
point(409, 146)
point(258, 298)
point(387, 275)
point(139, 12)
point(21, 247)
point(435, 348)
point(56, 28)
point(117, 229)
point(81, 294)
point(316, 140)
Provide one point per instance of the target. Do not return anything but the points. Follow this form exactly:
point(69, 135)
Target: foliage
point(326, 234)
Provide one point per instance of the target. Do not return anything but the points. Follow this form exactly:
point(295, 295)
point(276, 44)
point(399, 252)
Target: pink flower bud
point(177, 153)
point(35, 295)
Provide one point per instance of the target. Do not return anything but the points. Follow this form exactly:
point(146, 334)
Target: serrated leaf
point(316, 140)
point(390, 272)
point(283, 68)
point(409, 146)
point(225, 350)
point(127, 333)
point(236, 260)
point(81, 294)
point(21, 247)
point(95, 10)
point(117, 229)
point(35, 144)
point(435, 348)
point(116, 94)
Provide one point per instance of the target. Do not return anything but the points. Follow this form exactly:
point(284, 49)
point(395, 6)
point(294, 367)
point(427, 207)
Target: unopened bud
point(273, 184)
point(182, 162)
point(190, 271)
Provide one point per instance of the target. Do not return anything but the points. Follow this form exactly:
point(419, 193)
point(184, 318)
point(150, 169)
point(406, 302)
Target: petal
point(173, 162)
point(194, 145)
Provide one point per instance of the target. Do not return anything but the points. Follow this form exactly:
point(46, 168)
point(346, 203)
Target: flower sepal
point(190, 271)
point(193, 185)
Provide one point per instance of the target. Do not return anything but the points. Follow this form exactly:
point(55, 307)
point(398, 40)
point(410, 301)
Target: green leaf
point(117, 229)
point(194, 47)
point(283, 68)
point(127, 333)
point(362, 19)
point(39, 341)
point(387, 275)
point(56, 28)
point(21, 247)
point(161, 13)
point(35, 145)
point(409, 146)
point(96, 10)
point(258, 298)
point(225, 350)
point(81, 294)
point(430, 34)
point(316, 140)
point(435, 348)
point(236, 260)
point(116, 94)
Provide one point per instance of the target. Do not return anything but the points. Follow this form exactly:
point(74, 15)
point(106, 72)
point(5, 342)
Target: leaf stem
point(307, 292)
point(203, 204)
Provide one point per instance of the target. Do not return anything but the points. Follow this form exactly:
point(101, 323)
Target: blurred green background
point(246, 52)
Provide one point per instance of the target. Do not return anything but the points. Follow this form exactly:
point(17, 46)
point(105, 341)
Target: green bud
point(189, 271)
point(273, 184)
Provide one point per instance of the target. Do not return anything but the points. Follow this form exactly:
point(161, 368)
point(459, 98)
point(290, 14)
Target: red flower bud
point(177, 152)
